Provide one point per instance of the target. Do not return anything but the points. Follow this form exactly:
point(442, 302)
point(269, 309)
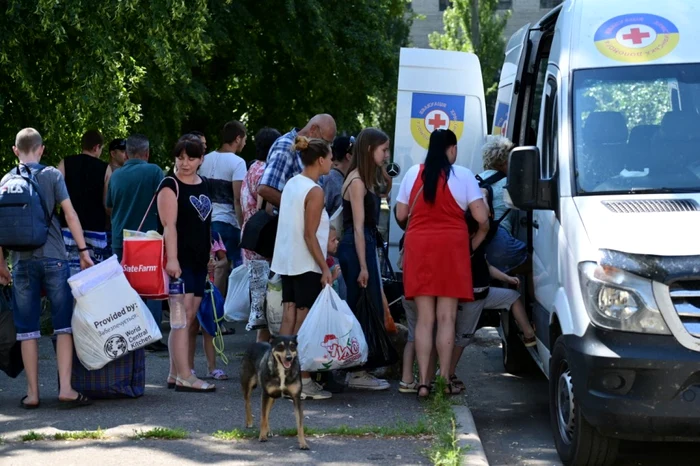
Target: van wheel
point(516, 358)
point(577, 442)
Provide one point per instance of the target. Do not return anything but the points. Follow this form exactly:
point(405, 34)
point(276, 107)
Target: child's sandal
point(418, 391)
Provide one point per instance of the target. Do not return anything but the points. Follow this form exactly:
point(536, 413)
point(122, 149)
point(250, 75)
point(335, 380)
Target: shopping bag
point(110, 319)
point(331, 337)
point(211, 311)
point(10, 349)
point(381, 351)
point(237, 304)
point(273, 304)
point(144, 264)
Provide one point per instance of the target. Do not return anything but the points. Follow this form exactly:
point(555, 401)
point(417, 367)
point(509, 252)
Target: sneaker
point(313, 391)
point(365, 381)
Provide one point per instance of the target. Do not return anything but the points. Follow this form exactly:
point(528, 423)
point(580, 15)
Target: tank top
point(292, 256)
point(371, 204)
point(85, 180)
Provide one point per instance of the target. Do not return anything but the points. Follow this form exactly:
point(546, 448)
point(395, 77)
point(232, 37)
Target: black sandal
point(452, 389)
point(457, 383)
point(81, 400)
point(422, 397)
point(27, 405)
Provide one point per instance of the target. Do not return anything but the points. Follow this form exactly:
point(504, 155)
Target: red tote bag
point(144, 261)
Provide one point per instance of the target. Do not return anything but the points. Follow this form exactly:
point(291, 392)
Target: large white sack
point(331, 337)
point(237, 304)
point(109, 318)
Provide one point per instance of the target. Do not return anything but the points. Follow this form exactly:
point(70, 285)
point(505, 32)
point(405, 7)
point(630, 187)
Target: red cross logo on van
point(437, 119)
point(636, 36)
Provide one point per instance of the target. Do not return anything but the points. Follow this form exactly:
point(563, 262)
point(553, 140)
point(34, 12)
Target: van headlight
point(619, 300)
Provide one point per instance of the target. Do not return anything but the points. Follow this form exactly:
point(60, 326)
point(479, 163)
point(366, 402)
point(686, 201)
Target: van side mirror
point(527, 191)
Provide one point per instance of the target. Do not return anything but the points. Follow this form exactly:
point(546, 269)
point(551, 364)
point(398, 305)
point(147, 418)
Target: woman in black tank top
point(357, 252)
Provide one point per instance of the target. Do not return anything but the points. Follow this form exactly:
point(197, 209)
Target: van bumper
point(636, 387)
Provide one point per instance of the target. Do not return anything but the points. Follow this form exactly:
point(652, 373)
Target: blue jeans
point(231, 237)
point(32, 276)
point(350, 268)
point(156, 307)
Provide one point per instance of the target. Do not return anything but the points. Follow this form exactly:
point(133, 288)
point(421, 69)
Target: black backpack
point(487, 185)
point(24, 217)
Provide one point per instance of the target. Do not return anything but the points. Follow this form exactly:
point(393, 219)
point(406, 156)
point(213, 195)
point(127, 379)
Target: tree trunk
point(476, 32)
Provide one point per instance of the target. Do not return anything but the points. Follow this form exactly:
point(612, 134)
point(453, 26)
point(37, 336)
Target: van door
point(514, 55)
point(437, 89)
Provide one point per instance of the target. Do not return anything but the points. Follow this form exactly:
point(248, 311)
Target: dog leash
point(219, 337)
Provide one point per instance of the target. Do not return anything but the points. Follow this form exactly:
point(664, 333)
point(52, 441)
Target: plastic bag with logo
point(331, 337)
point(109, 319)
point(144, 264)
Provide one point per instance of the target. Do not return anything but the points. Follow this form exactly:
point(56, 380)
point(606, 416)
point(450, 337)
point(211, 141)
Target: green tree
point(476, 26)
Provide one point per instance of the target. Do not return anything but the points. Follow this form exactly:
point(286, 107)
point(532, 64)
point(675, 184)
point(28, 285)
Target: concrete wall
point(523, 12)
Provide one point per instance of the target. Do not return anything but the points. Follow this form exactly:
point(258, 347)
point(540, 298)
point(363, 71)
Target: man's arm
point(271, 195)
point(105, 196)
point(5, 275)
point(77, 231)
point(276, 169)
point(62, 168)
point(237, 202)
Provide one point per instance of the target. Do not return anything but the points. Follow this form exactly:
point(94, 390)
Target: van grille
point(685, 296)
point(652, 206)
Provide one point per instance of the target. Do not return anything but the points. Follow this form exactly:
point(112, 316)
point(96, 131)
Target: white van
point(602, 99)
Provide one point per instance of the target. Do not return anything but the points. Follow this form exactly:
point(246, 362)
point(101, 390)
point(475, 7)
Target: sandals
point(418, 391)
point(529, 342)
point(408, 387)
point(187, 385)
point(452, 389)
point(457, 383)
point(171, 385)
point(78, 402)
point(217, 374)
point(24, 405)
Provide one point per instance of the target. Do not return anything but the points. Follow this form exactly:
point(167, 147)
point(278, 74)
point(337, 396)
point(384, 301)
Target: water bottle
point(176, 299)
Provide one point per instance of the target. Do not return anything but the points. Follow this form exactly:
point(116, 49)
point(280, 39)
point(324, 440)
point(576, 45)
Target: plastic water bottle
point(176, 299)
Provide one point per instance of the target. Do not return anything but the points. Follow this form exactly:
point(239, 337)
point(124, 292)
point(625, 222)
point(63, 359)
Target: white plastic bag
point(237, 305)
point(331, 337)
point(273, 304)
point(109, 318)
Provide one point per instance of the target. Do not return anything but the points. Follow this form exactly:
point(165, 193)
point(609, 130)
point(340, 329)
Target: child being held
point(334, 265)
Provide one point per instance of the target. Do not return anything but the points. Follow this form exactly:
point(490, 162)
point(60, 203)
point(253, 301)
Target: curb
point(467, 436)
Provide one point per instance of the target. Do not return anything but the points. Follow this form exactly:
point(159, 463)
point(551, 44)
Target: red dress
point(436, 249)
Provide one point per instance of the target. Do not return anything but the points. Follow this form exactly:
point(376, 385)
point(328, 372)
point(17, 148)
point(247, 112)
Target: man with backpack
point(29, 228)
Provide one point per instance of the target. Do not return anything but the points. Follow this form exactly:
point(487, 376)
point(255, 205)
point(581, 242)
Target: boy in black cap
point(117, 153)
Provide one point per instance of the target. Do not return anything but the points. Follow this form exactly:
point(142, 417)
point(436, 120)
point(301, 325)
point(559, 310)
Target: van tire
point(516, 358)
point(577, 442)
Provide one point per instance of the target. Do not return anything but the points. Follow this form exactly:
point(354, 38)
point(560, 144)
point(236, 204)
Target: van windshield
point(637, 129)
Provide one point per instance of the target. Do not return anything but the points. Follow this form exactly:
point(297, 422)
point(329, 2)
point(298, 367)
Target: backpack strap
point(31, 179)
point(177, 196)
point(493, 179)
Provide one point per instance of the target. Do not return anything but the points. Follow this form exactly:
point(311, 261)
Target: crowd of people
point(305, 177)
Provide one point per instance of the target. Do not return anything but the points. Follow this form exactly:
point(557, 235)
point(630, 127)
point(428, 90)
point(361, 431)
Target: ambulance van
point(602, 99)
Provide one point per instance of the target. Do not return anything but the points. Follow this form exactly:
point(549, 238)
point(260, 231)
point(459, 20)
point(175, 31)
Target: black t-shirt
point(481, 277)
point(85, 180)
point(193, 224)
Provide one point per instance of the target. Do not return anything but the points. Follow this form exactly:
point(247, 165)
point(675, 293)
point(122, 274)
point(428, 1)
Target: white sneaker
point(313, 391)
point(365, 381)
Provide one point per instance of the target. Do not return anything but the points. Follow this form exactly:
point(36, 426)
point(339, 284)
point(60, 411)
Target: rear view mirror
point(523, 175)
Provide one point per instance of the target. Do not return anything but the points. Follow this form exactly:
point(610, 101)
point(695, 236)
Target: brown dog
point(275, 367)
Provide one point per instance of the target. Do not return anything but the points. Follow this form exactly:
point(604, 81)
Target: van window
point(551, 127)
point(627, 136)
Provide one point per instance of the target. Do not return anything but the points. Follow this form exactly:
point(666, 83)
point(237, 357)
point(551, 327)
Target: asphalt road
point(512, 415)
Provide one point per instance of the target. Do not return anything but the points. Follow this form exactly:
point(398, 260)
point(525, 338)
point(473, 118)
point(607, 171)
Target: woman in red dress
point(437, 268)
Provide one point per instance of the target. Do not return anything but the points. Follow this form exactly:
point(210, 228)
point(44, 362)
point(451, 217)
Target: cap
point(117, 144)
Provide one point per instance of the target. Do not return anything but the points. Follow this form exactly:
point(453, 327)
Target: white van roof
point(610, 33)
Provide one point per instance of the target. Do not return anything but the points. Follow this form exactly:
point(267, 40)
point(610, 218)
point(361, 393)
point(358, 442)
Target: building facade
point(522, 12)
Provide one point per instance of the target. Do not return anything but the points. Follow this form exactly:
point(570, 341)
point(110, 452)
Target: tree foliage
point(163, 67)
point(487, 43)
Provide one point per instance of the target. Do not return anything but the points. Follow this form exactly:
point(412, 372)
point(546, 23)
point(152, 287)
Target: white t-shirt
point(222, 169)
point(292, 256)
point(462, 184)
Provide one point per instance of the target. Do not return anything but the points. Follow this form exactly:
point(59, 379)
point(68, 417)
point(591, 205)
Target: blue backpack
point(24, 217)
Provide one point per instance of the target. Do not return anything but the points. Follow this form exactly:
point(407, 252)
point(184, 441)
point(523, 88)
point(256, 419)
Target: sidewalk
point(201, 415)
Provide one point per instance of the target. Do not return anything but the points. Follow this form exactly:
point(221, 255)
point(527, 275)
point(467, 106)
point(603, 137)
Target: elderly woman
point(504, 251)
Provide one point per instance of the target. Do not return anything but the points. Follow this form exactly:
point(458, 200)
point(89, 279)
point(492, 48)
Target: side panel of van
point(437, 90)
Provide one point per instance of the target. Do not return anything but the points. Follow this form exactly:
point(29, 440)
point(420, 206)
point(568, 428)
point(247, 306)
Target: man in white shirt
point(225, 171)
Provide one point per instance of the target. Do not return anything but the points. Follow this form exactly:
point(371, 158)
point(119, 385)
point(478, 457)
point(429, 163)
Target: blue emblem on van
point(637, 38)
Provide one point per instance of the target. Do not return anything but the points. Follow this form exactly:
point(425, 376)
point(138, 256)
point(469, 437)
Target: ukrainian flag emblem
point(637, 38)
point(500, 120)
point(430, 112)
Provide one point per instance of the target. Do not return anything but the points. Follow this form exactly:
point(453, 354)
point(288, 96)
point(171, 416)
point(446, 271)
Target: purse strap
point(410, 211)
point(177, 196)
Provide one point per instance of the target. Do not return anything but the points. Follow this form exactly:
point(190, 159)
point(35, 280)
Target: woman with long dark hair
point(433, 199)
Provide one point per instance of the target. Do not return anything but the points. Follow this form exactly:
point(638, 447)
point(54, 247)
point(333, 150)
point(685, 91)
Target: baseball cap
point(117, 144)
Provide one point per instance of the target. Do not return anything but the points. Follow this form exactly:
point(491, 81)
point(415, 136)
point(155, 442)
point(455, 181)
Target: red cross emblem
point(636, 36)
point(437, 119)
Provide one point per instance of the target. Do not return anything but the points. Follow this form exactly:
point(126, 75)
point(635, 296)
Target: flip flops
point(80, 401)
point(217, 374)
point(187, 385)
point(24, 405)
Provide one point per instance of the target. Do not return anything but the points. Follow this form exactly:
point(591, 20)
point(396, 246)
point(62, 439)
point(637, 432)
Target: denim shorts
point(505, 252)
point(231, 237)
point(29, 278)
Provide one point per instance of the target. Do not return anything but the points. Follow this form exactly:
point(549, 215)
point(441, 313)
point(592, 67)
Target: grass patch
point(398, 430)
point(81, 435)
point(445, 450)
point(32, 436)
point(162, 433)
